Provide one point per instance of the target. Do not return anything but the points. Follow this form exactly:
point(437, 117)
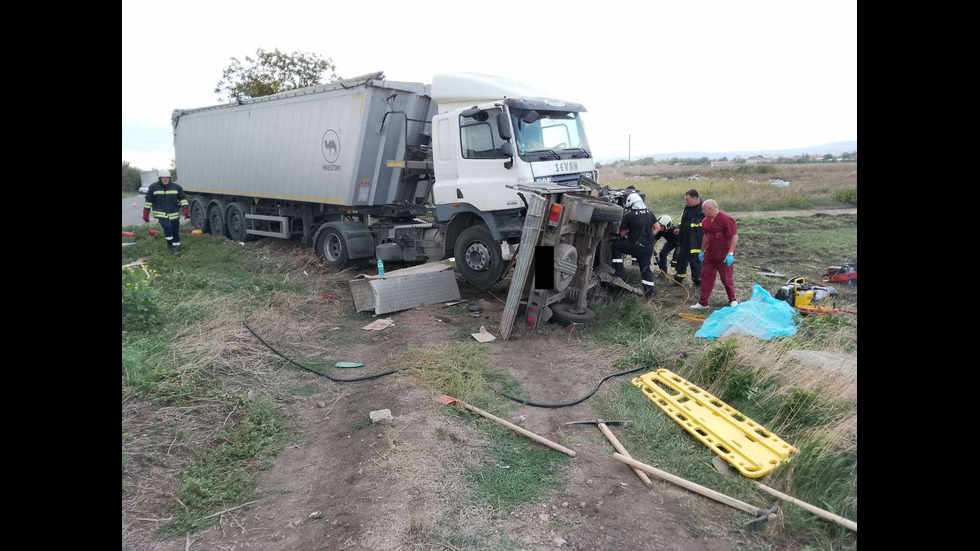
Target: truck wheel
point(561, 313)
point(237, 223)
point(478, 257)
point(332, 247)
point(602, 211)
point(199, 215)
point(216, 218)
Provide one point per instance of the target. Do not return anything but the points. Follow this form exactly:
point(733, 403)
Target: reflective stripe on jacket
point(691, 233)
point(165, 201)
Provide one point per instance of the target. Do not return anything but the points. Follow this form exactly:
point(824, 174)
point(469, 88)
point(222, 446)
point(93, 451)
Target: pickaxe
point(723, 467)
point(604, 427)
point(761, 515)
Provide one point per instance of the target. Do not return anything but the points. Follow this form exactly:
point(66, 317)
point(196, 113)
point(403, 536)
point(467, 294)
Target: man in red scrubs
point(717, 252)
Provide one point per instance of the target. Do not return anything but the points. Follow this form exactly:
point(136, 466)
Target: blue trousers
point(171, 231)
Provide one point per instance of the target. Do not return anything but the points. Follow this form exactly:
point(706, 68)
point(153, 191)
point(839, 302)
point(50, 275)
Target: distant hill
point(835, 149)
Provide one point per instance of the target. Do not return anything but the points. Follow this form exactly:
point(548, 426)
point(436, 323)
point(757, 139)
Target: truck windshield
point(555, 133)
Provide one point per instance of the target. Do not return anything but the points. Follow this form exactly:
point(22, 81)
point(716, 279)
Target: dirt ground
point(393, 485)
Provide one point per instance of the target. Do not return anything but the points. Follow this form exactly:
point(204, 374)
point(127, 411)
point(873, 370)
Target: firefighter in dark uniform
point(637, 231)
point(689, 236)
point(166, 200)
point(670, 243)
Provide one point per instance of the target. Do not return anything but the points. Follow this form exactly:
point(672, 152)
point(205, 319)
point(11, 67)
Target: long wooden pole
point(687, 484)
point(521, 430)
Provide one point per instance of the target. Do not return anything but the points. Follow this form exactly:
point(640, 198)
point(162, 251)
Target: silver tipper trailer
point(283, 165)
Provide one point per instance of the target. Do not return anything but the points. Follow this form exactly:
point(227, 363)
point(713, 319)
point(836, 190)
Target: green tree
point(271, 73)
point(130, 178)
point(173, 170)
point(828, 157)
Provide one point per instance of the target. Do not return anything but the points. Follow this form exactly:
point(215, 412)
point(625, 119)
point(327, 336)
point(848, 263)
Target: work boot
point(175, 249)
point(678, 281)
point(621, 272)
point(649, 291)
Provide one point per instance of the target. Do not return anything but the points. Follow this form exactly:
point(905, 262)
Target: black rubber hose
point(301, 366)
point(587, 396)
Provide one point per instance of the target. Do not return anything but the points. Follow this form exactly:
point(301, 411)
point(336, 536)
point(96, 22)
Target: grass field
point(204, 406)
point(740, 189)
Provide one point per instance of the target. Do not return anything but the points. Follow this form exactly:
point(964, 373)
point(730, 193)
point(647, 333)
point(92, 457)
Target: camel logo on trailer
point(330, 145)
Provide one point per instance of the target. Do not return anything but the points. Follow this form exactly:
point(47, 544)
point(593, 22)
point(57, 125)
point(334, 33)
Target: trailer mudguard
point(360, 240)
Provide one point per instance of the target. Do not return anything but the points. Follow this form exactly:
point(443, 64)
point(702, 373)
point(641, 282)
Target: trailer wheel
point(478, 257)
point(561, 313)
point(216, 218)
point(332, 247)
point(199, 215)
point(237, 223)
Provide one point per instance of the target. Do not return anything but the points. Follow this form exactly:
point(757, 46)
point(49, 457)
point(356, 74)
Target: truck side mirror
point(507, 148)
point(503, 126)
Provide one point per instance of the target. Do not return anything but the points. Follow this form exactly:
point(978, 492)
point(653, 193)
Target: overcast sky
point(676, 75)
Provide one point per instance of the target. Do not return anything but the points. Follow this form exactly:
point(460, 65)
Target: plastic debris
point(348, 365)
point(762, 316)
point(483, 336)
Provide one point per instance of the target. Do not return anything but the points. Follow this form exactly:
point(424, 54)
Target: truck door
point(469, 162)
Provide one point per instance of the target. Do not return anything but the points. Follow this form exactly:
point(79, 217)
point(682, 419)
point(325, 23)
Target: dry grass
point(811, 185)
point(213, 364)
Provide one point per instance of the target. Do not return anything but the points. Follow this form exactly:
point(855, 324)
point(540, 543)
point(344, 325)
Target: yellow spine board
point(743, 443)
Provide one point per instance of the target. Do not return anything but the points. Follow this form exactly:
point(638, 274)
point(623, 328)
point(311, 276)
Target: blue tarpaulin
point(761, 316)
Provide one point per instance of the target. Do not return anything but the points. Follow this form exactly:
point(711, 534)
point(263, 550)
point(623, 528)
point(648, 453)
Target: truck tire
point(561, 313)
point(602, 211)
point(332, 247)
point(216, 218)
point(237, 223)
point(199, 215)
point(478, 257)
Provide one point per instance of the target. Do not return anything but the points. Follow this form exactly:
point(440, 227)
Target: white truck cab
point(492, 132)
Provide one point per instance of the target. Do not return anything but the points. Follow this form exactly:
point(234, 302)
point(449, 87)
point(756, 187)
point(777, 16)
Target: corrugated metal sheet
point(430, 283)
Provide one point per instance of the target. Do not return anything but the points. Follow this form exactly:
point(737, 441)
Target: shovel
point(721, 466)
